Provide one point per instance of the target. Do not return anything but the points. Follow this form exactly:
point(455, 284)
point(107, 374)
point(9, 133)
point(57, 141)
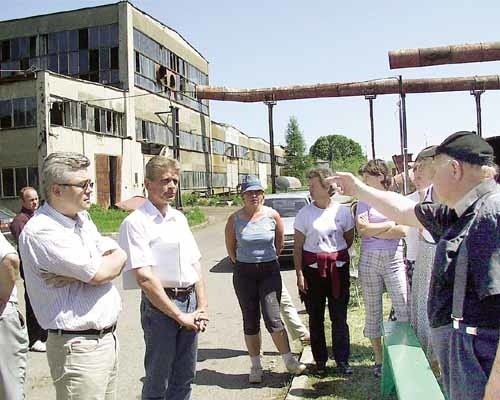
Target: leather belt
point(93, 332)
point(471, 330)
point(179, 292)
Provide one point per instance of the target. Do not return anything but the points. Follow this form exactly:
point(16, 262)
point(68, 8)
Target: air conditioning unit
point(172, 81)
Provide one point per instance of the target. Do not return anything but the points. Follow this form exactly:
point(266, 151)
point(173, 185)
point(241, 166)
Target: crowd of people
point(436, 252)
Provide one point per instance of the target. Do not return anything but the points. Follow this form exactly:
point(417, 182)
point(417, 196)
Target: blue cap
point(250, 182)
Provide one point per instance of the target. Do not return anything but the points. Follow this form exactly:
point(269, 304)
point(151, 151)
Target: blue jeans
point(171, 352)
point(465, 360)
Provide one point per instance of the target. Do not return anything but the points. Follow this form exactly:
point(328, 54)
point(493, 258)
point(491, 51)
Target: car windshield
point(286, 207)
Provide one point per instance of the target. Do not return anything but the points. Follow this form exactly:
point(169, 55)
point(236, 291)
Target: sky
point(254, 44)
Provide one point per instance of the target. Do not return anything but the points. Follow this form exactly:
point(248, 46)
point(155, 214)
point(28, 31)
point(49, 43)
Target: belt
point(471, 330)
point(179, 292)
point(94, 332)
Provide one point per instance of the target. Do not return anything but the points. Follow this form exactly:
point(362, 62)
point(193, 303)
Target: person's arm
point(492, 390)
point(349, 237)
point(230, 237)
point(371, 229)
point(111, 266)
point(9, 269)
point(201, 300)
point(396, 232)
point(154, 291)
point(279, 234)
point(393, 205)
point(298, 245)
point(16, 227)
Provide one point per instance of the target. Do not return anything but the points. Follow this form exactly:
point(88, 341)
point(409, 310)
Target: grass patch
point(362, 385)
point(107, 220)
point(195, 216)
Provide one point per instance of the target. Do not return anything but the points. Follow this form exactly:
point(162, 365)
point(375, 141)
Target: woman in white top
point(324, 231)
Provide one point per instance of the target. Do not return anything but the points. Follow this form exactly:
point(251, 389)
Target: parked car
point(287, 205)
point(6, 217)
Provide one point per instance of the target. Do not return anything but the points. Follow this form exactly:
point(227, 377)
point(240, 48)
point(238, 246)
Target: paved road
point(223, 364)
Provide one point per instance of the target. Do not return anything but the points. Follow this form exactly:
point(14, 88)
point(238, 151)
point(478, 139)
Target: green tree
point(298, 162)
point(344, 154)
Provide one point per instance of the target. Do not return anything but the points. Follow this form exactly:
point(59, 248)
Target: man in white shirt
point(13, 335)
point(165, 261)
point(68, 268)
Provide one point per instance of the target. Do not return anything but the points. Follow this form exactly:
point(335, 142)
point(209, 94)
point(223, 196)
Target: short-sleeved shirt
point(482, 298)
point(374, 216)
point(324, 228)
point(149, 238)
point(5, 249)
point(52, 242)
point(414, 235)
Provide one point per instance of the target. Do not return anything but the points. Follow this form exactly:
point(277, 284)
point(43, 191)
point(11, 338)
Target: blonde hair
point(159, 164)
point(322, 174)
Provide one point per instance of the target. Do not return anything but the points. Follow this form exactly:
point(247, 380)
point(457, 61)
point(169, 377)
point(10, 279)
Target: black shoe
point(321, 368)
point(344, 368)
point(377, 370)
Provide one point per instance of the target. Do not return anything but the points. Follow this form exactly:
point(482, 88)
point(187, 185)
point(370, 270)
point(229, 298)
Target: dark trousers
point(258, 289)
point(35, 331)
point(319, 290)
point(465, 360)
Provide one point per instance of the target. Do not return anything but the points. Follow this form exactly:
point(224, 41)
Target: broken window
point(83, 39)
point(93, 60)
point(19, 106)
point(8, 189)
point(5, 114)
point(56, 113)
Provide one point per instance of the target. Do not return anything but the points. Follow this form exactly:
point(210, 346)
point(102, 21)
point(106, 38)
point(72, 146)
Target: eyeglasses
point(84, 185)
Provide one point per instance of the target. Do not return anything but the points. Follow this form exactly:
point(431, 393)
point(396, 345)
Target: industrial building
point(117, 85)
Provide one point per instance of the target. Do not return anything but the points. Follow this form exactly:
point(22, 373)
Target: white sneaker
point(39, 347)
point(255, 375)
point(295, 367)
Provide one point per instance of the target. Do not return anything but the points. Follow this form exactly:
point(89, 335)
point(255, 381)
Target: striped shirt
point(5, 249)
point(54, 243)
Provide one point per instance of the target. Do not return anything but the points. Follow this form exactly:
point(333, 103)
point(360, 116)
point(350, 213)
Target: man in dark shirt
point(466, 228)
point(29, 204)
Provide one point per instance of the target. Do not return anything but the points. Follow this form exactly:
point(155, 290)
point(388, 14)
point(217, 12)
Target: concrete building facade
point(117, 85)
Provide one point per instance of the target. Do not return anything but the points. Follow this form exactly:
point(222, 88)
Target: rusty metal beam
point(373, 87)
point(453, 54)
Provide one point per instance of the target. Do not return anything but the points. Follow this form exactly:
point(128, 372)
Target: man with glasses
point(464, 294)
point(68, 268)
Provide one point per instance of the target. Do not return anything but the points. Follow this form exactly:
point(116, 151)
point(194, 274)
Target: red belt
point(327, 262)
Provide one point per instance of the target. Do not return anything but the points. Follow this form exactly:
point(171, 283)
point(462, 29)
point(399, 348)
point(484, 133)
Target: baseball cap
point(466, 146)
point(250, 182)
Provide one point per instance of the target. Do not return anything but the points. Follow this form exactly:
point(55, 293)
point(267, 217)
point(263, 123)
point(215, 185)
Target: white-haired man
point(464, 294)
point(68, 268)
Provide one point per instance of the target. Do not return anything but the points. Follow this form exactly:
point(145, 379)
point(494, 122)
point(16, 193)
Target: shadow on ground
point(219, 354)
point(239, 381)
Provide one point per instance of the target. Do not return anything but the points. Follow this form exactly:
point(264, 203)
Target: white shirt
point(412, 235)
point(165, 243)
point(324, 228)
point(5, 249)
point(55, 243)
